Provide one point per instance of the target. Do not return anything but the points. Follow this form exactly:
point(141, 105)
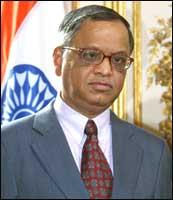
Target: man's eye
point(90, 55)
point(119, 59)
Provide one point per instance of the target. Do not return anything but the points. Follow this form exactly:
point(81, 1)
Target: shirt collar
point(67, 115)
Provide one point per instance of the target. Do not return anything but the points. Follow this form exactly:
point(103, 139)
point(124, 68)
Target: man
point(77, 148)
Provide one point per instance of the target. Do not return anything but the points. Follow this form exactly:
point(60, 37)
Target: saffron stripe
point(12, 16)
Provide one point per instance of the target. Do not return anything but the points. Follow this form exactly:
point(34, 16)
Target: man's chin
point(102, 101)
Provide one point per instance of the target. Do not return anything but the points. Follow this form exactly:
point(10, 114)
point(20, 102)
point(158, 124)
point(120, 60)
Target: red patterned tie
point(95, 170)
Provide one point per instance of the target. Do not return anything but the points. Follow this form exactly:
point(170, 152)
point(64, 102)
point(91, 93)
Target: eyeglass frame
point(80, 50)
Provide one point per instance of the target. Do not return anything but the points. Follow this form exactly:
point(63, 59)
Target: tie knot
point(90, 128)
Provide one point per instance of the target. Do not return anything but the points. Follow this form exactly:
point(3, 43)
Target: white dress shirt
point(73, 125)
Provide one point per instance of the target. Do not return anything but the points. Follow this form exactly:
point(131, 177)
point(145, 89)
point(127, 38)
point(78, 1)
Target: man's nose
point(104, 67)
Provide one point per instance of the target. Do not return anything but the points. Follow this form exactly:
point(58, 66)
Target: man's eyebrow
point(96, 47)
point(120, 52)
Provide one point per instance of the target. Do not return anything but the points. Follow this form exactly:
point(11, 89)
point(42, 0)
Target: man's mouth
point(98, 85)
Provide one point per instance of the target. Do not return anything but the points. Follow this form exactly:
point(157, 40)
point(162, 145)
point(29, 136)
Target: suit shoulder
point(141, 136)
point(16, 127)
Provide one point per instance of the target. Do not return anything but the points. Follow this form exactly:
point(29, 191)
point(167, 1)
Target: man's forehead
point(104, 35)
point(91, 28)
point(90, 25)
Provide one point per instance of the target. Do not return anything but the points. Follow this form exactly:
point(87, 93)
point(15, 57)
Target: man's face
point(90, 89)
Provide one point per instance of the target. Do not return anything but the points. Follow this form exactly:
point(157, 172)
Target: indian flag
point(29, 36)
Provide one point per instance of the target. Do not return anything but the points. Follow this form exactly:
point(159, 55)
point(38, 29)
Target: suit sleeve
point(163, 188)
point(8, 183)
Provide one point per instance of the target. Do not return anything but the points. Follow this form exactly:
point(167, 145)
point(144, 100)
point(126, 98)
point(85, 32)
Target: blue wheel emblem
point(27, 91)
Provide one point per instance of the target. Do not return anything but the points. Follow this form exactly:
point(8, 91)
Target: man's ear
point(57, 59)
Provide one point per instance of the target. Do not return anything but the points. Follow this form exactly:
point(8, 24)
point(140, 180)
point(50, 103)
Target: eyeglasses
point(94, 57)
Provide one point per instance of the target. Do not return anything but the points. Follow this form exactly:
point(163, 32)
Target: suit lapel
point(127, 157)
point(50, 145)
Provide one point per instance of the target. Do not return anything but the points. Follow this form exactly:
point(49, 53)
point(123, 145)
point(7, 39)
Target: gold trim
point(119, 106)
point(75, 5)
point(121, 8)
point(137, 73)
point(109, 4)
point(121, 101)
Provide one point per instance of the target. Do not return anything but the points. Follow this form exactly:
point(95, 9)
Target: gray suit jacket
point(37, 161)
